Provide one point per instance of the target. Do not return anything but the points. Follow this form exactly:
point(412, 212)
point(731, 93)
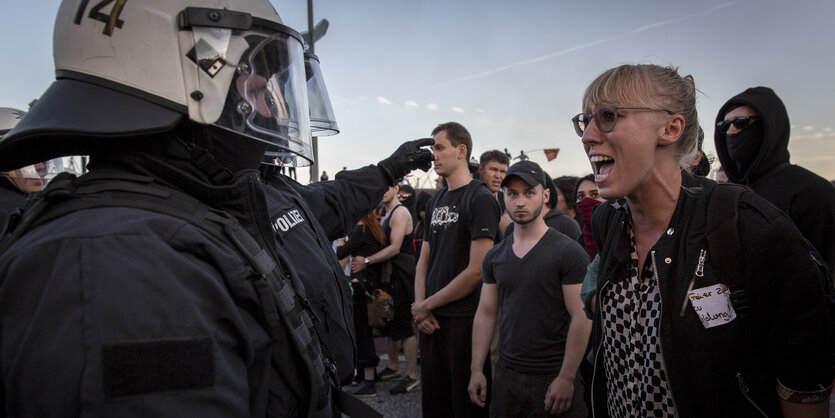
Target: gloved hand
point(409, 156)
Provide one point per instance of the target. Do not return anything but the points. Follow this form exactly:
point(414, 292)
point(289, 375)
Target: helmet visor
point(60, 165)
point(30, 172)
point(322, 121)
point(267, 98)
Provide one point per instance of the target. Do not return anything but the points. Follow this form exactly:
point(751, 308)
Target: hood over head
point(774, 148)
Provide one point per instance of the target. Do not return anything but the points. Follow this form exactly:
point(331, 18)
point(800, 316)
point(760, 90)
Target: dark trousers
point(366, 352)
point(445, 370)
point(519, 393)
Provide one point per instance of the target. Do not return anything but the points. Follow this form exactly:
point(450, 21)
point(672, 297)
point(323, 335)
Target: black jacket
point(788, 317)
point(807, 198)
point(118, 311)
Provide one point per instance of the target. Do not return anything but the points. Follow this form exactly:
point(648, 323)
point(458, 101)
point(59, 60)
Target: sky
point(514, 72)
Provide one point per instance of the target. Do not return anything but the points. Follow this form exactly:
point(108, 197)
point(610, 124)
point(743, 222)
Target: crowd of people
point(514, 267)
point(184, 274)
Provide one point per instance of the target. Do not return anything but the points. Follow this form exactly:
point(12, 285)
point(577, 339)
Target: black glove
point(409, 156)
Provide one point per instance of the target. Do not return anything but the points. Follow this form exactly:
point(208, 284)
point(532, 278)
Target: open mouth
point(602, 165)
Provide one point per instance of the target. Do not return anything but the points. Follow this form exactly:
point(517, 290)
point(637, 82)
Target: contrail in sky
point(588, 44)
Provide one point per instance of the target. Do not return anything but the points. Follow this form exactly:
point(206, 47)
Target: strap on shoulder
point(723, 243)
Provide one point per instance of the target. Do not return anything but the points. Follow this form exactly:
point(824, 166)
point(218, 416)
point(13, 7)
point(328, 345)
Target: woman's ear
point(672, 130)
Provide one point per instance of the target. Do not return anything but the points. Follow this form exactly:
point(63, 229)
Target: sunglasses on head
point(606, 117)
point(740, 123)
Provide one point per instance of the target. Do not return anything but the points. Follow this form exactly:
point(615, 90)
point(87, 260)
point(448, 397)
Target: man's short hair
point(457, 135)
point(493, 155)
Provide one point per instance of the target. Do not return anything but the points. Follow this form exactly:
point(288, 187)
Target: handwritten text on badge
point(713, 305)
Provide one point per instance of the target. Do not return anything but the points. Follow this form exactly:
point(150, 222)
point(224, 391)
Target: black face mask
point(409, 202)
point(235, 152)
point(744, 146)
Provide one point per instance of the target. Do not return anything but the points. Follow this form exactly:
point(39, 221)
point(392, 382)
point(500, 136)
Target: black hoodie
point(807, 198)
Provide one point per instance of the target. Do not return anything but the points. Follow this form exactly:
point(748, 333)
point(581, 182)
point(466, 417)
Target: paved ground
point(394, 406)
point(408, 405)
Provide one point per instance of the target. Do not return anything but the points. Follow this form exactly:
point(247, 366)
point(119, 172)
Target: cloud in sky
point(457, 109)
point(820, 158)
point(411, 103)
point(808, 128)
point(383, 100)
point(480, 110)
point(816, 135)
point(588, 44)
point(432, 106)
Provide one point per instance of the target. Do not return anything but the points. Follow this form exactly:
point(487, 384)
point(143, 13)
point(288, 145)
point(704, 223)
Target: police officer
point(139, 311)
point(15, 184)
point(306, 219)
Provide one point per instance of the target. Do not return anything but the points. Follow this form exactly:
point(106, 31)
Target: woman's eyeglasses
point(606, 117)
point(740, 123)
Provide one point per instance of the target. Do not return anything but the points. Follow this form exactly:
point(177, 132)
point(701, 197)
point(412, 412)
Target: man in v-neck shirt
point(535, 276)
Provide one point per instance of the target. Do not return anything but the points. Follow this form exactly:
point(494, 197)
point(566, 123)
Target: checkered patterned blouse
point(636, 377)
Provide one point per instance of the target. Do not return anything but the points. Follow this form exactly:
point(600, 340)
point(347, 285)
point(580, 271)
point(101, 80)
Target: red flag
point(551, 153)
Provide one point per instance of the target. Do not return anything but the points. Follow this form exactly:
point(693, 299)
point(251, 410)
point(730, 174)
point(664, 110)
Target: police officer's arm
point(429, 324)
point(484, 325)
point(462, 285)
point(401, 225)
point(340, 203)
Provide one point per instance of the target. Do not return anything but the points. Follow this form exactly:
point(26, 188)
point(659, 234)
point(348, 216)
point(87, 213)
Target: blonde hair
point(653, 86)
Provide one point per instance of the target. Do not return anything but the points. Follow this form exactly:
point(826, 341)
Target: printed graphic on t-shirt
point(287, 221)
point(444, 215)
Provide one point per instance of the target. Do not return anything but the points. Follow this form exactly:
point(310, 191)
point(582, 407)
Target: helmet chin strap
point(220, 154)
point(205, 160)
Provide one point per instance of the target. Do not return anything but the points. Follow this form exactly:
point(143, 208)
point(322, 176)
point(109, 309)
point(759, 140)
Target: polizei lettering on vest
point(288, 220)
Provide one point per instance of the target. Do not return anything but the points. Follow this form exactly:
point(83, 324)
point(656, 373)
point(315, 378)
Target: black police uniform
point(117, 311)
point(305, 220)
point(11, 200)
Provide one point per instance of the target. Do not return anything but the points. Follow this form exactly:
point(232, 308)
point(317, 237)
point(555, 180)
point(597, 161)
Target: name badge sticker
point(713, 305)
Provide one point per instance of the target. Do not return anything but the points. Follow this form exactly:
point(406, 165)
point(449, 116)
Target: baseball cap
point(529, 171)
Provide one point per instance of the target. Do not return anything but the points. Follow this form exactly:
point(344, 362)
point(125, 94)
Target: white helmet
point(131, 68)
point(9, 117)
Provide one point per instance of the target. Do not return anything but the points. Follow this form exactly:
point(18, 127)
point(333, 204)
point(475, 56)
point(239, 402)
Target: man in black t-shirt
point(462, 225)
point(553, 217)
point(535, 276)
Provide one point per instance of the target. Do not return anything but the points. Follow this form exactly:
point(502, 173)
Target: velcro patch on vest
point(158, 366)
